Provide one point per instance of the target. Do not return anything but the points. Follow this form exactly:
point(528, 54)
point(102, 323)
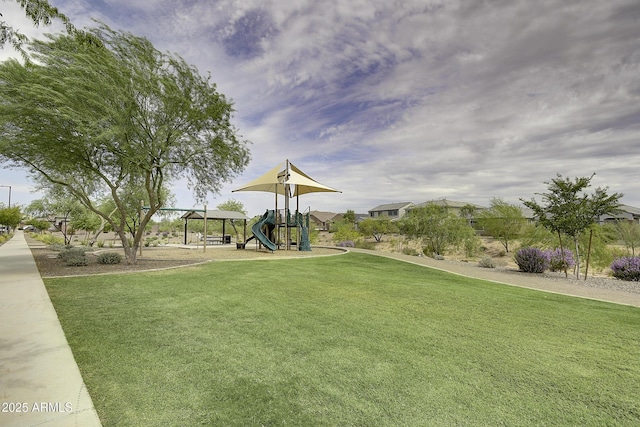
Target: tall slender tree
point(503, 221)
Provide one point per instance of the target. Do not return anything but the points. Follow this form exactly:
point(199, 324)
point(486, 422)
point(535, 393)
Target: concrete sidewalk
point(40, 383)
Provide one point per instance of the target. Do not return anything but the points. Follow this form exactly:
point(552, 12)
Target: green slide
point(268, 220)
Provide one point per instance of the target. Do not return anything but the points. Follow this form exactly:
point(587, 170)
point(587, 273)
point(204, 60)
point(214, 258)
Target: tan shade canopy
point(283, 175)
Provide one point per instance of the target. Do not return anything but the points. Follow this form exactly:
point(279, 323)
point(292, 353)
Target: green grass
point(348, 340)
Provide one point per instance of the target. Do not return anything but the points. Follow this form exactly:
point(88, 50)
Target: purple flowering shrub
point(626, 268)
point(555, 259)
point(346, 244)
point(532, 260)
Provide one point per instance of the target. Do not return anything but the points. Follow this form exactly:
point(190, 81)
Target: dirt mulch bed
point(50, 265)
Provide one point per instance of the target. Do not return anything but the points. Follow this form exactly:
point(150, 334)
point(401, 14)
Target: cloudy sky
point(407, 100)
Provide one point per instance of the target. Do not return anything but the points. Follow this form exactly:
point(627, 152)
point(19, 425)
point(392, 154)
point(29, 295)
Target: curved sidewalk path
point(40, 383)
point(569, 287)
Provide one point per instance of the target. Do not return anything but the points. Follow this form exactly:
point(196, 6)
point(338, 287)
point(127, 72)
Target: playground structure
point(289, 181)
point(268, 230)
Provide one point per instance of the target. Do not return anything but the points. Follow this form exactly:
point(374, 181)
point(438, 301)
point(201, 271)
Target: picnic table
point(219, 240)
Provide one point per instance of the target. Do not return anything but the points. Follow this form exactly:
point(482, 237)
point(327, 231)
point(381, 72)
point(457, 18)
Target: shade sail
point(283, 175)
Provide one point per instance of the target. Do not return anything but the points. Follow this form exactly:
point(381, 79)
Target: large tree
point(570, 210)
point(437, 228)
point(503, 221)
point(10, 217)
point(102, 118)
point(376, 227)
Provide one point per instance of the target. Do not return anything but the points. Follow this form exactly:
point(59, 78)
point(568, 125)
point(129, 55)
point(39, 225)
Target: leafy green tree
point(60, 208)
point(437, 228)
point(503, 221)
point(349, 217)
point(344, 232)
point(39, 224)
point(10, 217)
point(102, 119)
point(568, 209)
point(235, 206)
point(85, 220)
point(232, 205)
point(41, 13)
point(469, 211)
point(376, 227)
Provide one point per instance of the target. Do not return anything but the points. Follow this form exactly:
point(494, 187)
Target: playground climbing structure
point(289, 181)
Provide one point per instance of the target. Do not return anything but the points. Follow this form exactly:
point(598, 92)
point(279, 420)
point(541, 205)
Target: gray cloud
point(414, 100)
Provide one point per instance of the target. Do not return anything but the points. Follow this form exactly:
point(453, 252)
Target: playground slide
point(267, 218)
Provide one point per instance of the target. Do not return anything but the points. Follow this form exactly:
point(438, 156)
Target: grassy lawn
point(347, 340)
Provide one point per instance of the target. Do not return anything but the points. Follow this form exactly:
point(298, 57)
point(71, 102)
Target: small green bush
point(74, 257)
point(77, 260)
point(109, 258)
point(67, 253)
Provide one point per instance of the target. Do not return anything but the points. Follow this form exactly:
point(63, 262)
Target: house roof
point(391, 206)
point(323, 216)
point(449, 203)
point(630, 209)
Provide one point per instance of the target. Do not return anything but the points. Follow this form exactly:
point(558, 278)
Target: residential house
point(626, 212)
point(391, 210)
point(323, 220)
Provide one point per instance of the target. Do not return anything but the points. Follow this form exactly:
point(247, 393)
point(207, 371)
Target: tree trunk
point(564, 264)
point(575, 241)
point(586, 269)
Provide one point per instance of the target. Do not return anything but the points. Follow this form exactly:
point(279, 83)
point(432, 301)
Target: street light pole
point(9, 194)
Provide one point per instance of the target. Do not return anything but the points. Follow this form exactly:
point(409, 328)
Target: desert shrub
point(76, 260)
point(556, 263)
point(50, 239)
point(532, 260)
point(346, 244)
point(344, 233)
point(427, 252)
point(362, 244)
point(100, 243)
point(409, 251)
point(70, 252)
point(472, 246)
point(109, 258)
point(74, 257)
point(626, 268)
point(487, 262)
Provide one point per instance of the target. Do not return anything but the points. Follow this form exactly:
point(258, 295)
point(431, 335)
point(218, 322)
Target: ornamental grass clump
point(556, 263)
point(532, 260)
point(626, 268)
